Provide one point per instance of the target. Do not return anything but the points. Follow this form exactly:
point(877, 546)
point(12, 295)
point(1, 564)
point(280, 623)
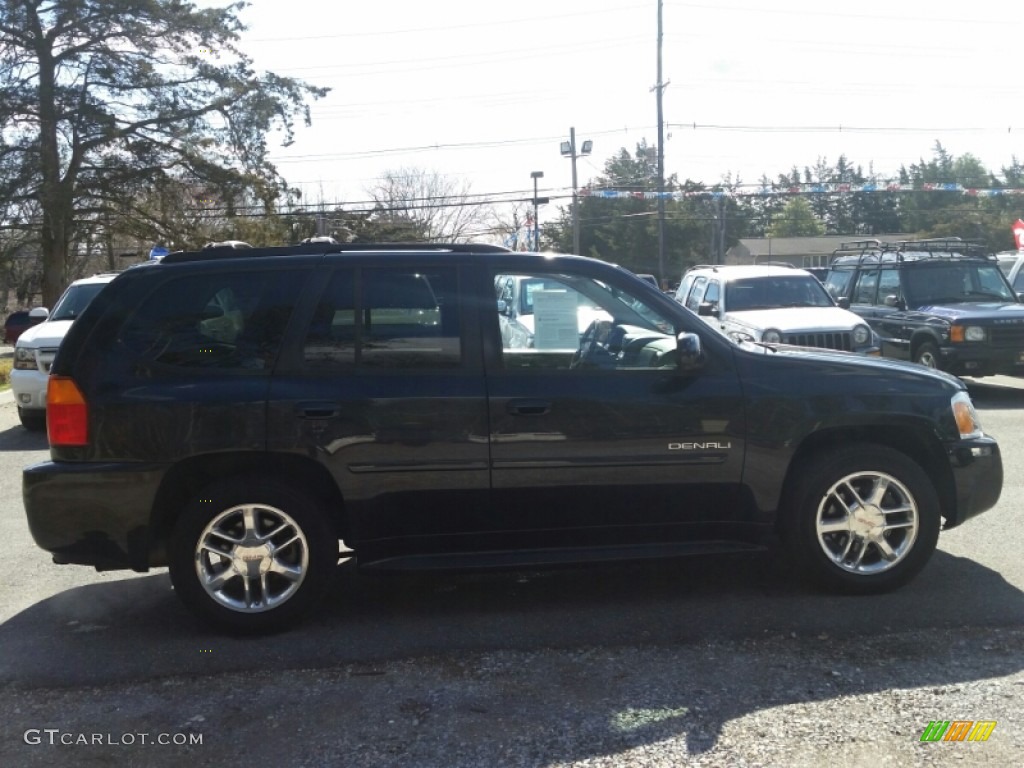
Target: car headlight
point(967, 421)
point(24, 359)
point(861, 335)
point(772, 336)
point(966, 333)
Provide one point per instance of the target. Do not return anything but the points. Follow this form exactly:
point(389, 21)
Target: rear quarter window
point(222, 321)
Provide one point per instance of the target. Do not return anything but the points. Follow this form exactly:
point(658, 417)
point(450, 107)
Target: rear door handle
point(318, 410)
point(528, 407)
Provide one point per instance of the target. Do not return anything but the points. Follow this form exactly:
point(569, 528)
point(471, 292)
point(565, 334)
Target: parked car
point(777, 304)
point(35, 349)
point(19, 322)
point(1012, 265)
point(234, 414)
point(943, 303)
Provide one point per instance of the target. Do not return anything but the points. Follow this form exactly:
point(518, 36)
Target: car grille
point(1007, 336)
point(834, 340)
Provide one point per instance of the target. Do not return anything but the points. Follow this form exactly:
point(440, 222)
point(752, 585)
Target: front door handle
point(528, 407)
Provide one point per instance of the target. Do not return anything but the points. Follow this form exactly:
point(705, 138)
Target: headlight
point(861, 335)
point(24, 359)
point(772, 336)
point(966, 417)
point(966, 333)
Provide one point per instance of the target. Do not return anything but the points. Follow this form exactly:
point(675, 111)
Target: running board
point(530, 558)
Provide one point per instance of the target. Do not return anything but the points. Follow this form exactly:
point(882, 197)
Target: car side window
point(696, 292)
point(837, 282)
point(711, 295)
point(569, 322)
point(866, 288)
point(222, 321)
point(386, 318)
point(889, 284)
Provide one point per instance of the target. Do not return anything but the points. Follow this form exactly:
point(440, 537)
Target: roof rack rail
point(322, 246)
point(777, 264)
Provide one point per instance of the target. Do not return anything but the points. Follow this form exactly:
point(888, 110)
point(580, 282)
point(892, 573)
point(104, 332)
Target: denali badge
point(697, 446)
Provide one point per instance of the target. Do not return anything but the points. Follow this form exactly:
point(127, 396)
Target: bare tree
point(438, 206)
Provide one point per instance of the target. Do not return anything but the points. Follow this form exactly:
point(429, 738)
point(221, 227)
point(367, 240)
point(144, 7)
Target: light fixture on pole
point(537, 201)
point(569, 150)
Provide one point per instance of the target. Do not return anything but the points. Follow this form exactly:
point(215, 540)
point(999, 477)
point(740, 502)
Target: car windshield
point(775, 292)
point(952, 282)
point(74, 301)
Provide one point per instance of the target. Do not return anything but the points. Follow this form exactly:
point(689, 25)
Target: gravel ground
point(773, 701)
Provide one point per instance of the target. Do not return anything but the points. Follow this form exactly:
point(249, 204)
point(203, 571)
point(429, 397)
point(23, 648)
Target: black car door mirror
point(843, 302)
point(707, 309)
point(893, 301)
point(689, 352)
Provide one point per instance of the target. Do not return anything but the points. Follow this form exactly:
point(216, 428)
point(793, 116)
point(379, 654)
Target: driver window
point(569, 322)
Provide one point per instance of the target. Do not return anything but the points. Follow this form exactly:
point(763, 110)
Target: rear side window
point(223, 321)
point(386, 318)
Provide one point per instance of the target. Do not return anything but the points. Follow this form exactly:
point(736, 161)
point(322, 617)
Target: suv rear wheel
point(252, 555)
point(865, 519)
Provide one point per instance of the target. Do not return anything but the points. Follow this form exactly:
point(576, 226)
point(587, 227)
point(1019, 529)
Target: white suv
point(35, 349)
point(776, 304)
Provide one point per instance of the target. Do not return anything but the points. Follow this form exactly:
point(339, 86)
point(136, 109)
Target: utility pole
point(661, 162)
point(537, 201)
point(568, 149)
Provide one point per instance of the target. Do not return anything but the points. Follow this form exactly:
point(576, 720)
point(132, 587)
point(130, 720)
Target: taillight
point(67, 415)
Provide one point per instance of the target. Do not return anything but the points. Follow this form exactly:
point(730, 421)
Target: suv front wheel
point(865, 519)
point(252, 555)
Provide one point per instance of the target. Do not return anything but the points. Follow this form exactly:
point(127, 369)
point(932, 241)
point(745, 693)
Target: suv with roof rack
point(236, 413)
point(943, 303)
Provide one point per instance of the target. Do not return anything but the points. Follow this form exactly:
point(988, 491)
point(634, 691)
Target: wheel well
point(917, 444)
point(185, 479)
point(919, 339)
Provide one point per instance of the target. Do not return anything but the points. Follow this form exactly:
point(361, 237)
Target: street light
point(569, 150)
point(537, 201)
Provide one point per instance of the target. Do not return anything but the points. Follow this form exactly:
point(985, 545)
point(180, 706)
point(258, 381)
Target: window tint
point(403, 319)
point(221, 321)
point(889, 283)
point(837, 282)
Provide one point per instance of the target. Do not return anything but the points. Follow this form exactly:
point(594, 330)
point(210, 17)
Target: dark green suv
point(234, 414)
point(942, 303)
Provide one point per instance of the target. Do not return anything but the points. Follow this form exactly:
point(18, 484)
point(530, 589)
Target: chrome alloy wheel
point(867, 522)
point(251, 558)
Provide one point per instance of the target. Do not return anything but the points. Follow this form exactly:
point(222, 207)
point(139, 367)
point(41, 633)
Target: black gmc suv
point(232, 414)
point(943, 303)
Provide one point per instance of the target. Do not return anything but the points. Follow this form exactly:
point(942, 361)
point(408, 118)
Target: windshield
point(74, 301)
point(775, 292)
point(951, 282)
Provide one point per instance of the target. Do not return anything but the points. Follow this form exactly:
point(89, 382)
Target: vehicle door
point(890, 314)
point(601, 440)
point(384, 388)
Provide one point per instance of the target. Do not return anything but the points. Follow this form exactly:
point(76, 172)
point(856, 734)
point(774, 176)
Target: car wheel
point(32, 419)
point(251, 555)
point(928, 355)
point(863, 519)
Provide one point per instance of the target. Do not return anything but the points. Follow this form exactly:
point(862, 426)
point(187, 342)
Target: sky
point(485, 92)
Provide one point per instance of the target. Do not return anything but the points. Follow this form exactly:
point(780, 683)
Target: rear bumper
point(92, 514)
point(977, 476)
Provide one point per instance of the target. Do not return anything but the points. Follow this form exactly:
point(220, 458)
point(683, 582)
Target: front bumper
point(977, 477)
point(981, 360)
point(29, 388)
point(92, 514)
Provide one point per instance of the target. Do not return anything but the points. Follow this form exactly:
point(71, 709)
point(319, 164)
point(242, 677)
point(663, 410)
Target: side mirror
point(843, 302)
point(707, 309)
point(502, 307)
point(893, 301)
point(42, 312)
point(689, 354)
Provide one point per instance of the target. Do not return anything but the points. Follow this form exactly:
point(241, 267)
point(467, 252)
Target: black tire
point(32, 419)
point(927, 354)
point(886, 539)
point(286, 573)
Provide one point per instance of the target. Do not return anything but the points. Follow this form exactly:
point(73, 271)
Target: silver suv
point(777, 304)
